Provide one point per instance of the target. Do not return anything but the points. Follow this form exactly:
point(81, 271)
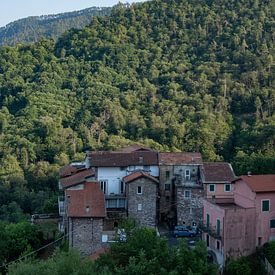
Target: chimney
point(249, 174)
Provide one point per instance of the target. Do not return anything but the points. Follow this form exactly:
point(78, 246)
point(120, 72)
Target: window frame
point(104, 186)
point(187, 197)
point(270, 223)
point(228, 184)
point(139, 193)
point(166, 185)
point(262, 208)
point(209, 189)
point(187, 177)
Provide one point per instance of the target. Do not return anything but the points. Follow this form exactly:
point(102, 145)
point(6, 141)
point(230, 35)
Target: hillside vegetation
point(182, 75)
point(32, 29)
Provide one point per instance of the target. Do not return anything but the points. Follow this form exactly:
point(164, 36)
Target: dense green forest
point(175, 75)
point(32, 29)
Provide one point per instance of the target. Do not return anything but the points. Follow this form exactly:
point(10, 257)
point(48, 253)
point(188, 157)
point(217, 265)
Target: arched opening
point(211, 257)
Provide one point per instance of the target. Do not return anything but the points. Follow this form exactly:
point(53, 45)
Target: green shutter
point(207, 220)
point(218, 227)
point(265, 205)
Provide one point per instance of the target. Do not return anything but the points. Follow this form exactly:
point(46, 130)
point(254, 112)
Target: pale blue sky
point(11, 10)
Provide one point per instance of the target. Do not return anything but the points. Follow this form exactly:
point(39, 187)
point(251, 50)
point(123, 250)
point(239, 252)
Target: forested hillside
point(32, 29)
point(171, 74)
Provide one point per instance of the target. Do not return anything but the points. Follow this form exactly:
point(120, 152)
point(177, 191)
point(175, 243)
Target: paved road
point(172, 241)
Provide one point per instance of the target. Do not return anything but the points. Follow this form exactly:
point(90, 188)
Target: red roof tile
point(219, 172)
point(259, 183)
point(67, 170)
point(134, 148)
point(88, 202)
point(137, 175)
point(77, 178)
point(179, 158)
point(118, 159)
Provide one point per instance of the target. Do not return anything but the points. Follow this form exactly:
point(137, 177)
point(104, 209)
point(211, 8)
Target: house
point(86, 213)
point(229, 229)
point(141, 193)
point(217, 179)
point(111, 171)
point(181, 190)
point(258, 191)
point(235, 225)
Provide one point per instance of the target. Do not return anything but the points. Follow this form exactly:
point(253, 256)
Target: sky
point(11, 10)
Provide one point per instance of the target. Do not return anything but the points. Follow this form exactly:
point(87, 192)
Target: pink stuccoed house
point(235, 226)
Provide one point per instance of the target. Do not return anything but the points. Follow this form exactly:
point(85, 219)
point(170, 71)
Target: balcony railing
point(61, 206)
point(113, 202)
point(211, 230)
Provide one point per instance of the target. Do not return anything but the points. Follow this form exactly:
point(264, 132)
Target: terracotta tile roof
point(137, 175)
point(219, 172)
point(259, 183)
point(68, 170)
point(134, 148)
point(117, 159)
point(88, 202)
point(77, 178)
point(179, 158)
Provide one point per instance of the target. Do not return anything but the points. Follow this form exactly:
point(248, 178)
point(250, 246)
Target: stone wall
point(142, 207)
point(167, 197)
point(85, 234)
point(189, 210)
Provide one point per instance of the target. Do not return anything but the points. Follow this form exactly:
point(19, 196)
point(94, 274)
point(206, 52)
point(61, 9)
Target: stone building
point(141, 193)
point(180, 188)
point(86, 212)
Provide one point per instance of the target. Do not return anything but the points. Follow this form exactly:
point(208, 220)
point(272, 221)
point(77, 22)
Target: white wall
point(114, 175)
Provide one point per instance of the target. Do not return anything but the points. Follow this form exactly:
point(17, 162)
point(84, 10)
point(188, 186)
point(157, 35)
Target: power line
point(41, 248)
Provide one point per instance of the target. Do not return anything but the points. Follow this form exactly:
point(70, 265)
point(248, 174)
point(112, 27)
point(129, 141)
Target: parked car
point(184, 231)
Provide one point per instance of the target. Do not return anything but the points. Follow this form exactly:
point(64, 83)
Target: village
point(233, 215)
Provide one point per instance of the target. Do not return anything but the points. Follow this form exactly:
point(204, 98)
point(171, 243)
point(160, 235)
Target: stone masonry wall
point(146, 215)
point(85, 234)
point(189, 210)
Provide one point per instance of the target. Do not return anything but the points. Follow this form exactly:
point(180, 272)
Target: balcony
point(116, 201)
point(211, 230)
point(61, 206)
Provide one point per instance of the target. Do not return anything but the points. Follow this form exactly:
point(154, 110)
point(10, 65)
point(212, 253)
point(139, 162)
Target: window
point(146, 168)
point(265, 205)
point(218, 227)
point(207, 240)
point(139, 207)
point(167, 186)
point(187, 174)
point(272, 223)
point(122, 168)
point(167, 174)
point(167, 198)
point(103, 186)
point(212, 187)
point(187, 194)
point(121, 187)
point(227, 187)
point(207, 220)
point(139, 190)
point(218, 245)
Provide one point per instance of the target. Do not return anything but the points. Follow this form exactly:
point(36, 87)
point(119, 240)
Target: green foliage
point(269, 251)
point(249, 265)
point(143, 253)
point(173, 75)
point(17, 239)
